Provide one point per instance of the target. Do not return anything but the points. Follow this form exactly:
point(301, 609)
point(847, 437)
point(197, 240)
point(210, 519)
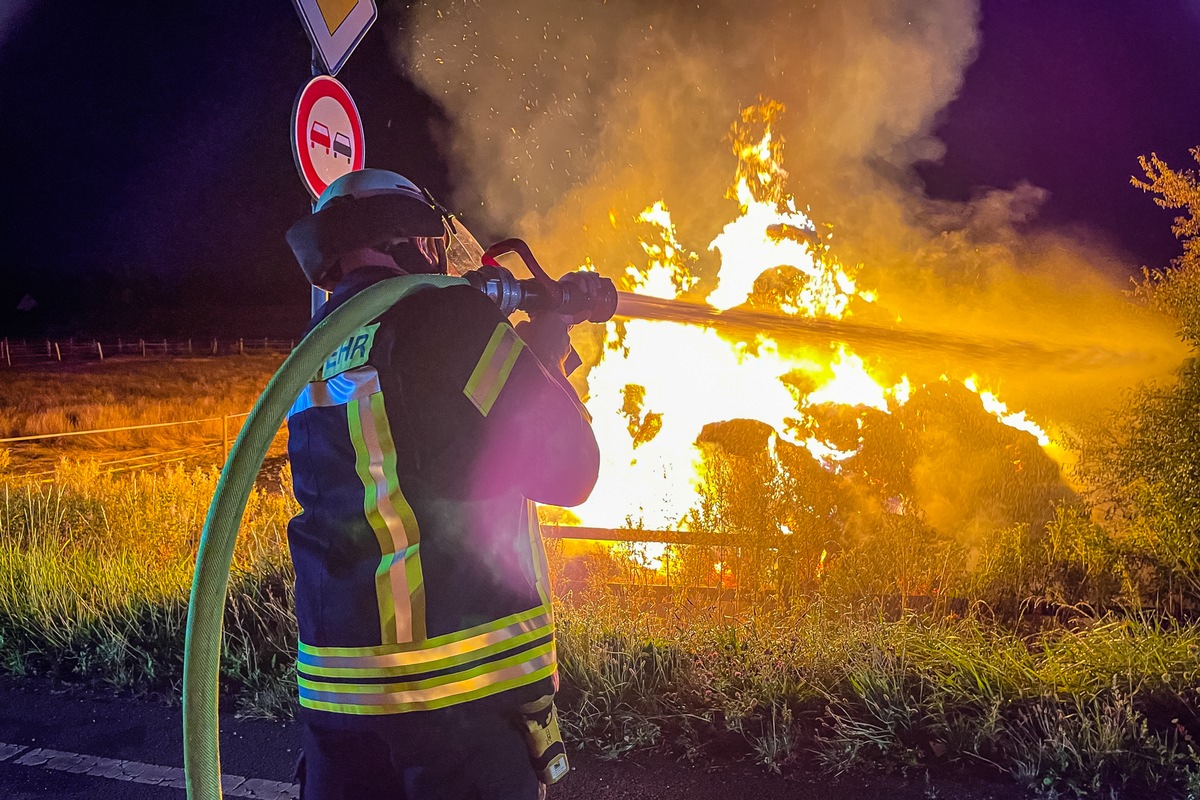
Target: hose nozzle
point(579, 296)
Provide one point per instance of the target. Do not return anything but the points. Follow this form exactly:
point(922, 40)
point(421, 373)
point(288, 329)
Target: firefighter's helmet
point(366, 208)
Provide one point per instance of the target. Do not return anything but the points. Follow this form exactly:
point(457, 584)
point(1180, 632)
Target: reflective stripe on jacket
point(416, 454)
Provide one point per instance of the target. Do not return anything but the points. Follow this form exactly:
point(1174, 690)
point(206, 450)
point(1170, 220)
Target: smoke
point(564, 111)
point(568, 117)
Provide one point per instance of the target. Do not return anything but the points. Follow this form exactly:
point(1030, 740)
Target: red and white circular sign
point(327, 134)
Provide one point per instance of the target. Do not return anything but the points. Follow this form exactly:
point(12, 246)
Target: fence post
point(48, 352)
point(214, 347)
point(189, 347)
point(100, 349)
point(142, 342)
point(57, 352)
point(241, 348)
point(224, 438)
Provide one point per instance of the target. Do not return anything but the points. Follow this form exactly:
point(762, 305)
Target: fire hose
point(210, 583)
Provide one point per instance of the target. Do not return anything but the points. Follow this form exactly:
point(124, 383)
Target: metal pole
point(317, 297)
point(99, 349)
point(57, 352)
point(142, 342)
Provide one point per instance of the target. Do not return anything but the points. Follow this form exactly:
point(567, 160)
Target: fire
point(669, 273)
point(1013, 419)
point(852, 385)
point(659, 383)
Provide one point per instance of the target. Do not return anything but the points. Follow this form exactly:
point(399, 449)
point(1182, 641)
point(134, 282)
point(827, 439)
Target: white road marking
point(136, 771)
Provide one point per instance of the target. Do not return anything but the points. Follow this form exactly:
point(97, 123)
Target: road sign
point(327, 134)
point(335, 27)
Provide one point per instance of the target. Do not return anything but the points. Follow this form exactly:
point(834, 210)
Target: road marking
point(137, 772)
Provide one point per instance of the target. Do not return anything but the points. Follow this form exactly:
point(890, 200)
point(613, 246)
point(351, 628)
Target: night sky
point(150, 176)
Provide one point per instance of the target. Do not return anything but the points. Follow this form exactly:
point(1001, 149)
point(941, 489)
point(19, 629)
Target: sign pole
point(326, 127)
point(319, 296)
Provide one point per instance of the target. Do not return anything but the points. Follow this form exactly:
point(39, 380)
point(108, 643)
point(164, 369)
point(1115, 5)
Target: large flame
point(658, 383)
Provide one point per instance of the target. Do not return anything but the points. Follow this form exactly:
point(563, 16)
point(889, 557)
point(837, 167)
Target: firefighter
point(426, 650)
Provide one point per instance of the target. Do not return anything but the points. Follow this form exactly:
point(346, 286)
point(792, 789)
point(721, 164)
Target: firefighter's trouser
point(457, 753)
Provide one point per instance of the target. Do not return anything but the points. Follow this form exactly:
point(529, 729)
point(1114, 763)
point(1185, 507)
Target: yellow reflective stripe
point(356, 668)
point(537, 655)
point(364, 464)
point(469, 641)
point(444, 690)
point(429, 705)
point(427, 646)
point(404, 570)
point(391, 519)
point(492, 371)
point(354, 384)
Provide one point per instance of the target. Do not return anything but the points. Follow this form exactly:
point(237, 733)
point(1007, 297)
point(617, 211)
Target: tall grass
point(95, 571)
point(1110, 707)
point(94, 577)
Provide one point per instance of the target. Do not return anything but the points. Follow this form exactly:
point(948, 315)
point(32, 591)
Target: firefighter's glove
point(546, 334)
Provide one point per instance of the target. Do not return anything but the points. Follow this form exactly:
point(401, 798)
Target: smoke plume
point(568, 117)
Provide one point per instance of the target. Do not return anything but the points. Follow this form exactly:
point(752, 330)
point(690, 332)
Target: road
point(68, 743)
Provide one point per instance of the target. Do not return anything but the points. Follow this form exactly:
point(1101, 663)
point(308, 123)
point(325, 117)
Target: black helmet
point(364, 208)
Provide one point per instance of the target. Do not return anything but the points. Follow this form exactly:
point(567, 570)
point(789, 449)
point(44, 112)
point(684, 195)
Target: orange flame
point(658, 383)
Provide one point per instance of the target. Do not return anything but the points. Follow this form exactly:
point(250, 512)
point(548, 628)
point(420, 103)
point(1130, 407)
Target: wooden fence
point(14, 353)
point(229, 429)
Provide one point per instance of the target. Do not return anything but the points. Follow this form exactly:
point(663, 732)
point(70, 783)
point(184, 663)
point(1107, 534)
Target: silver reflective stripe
point(492, 371)
point(427, 655)
point(379, 694)
point(383, 488)
point(354, 384)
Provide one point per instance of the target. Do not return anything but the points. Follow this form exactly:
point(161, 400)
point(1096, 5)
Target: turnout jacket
point(417, 453)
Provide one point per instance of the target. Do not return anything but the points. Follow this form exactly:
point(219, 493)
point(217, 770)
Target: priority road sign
point(327, 134)
point(335, 27)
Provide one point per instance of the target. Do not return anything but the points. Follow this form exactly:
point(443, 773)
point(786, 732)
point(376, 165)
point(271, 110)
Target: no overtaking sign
point(327, 134)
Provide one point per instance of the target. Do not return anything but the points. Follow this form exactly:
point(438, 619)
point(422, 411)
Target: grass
point(813, 663)
point(95, 570)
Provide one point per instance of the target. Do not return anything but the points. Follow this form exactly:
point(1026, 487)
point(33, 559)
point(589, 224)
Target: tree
point(1175, 291)
point(1143, 471)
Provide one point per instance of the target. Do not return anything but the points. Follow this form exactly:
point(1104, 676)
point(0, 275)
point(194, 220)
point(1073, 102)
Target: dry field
point(122, 392)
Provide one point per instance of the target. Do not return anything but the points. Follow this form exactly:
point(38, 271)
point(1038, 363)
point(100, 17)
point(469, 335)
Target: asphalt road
point(67, 743)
